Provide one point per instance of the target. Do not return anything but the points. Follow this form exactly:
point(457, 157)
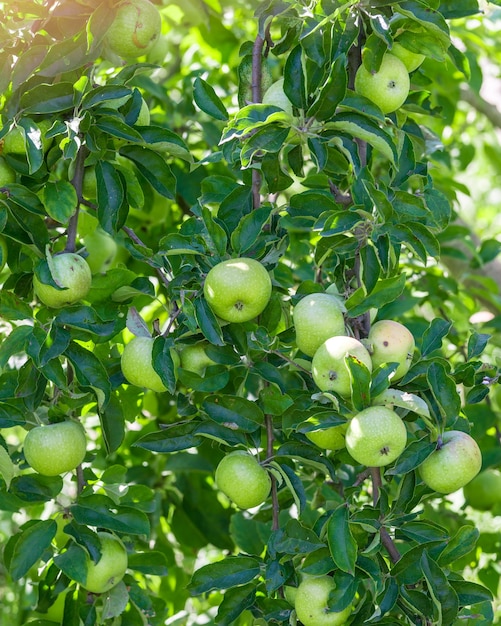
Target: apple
point(317, 317)
point(411, 60)
point(484, 491)
point(376, 436)
point(7, 174)
point(194, 357)
point(312, 603)
point(72, 273)
point(388, 88)
point(455, 462)
point(55, 449)
point(137, 367)
point(242, 479)
point(101, 250)
point(328, 366)
point(389, 342)
point(135, 29)
point(238, 290)
point(331, 438)
point(14, 142)
point(111, 566)
point(275, 95)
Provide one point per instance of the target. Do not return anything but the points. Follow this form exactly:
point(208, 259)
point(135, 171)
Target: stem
point(269, 454)
point(161, 276)
point(77, 182)
point(257, 74)
point(291, 361)
point(386, 539)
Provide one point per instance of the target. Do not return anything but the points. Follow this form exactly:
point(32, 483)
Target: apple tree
point(249, 306)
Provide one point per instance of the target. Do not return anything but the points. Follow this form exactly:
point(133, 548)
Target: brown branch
point(491, 112)
point(269, 455)
point(386, 539)
point(257, 74)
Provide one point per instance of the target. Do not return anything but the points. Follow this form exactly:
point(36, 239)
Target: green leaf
point(296, 538)
point(111, 210)
point(365, 129)
point(99, 510)
point(163, 363)
point(60, 200)
point(249, 229)
point(73, 562)
point(360, 381)
point(470, 593)
point(154, 169)
point(207, 322)
point(171, 439)
point(89, 372)
point(7, 468)
point(234, 412)
point(343, 593)
point(207, 100)
point(152, 563)
point(444, 596)
point(443, 388)
point(332, 92)
point(14, 343)
point(342, 545)
point(235, 602)
point(413, 455)
point(386, 290)
point(404, 400)
point(45, 98)
point(230, 572)
point(26, 547)
point(476, 344)
point(33, 142)
point(112, 423)
point(433, 335)
point(294, 79)
point(461, 544)
point(105, 94)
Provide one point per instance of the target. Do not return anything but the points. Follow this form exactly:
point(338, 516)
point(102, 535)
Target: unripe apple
point(411, 60)
point(484, 491)
point(242, 479)
point(328, 365)
point(317, 317)
point(332, 438)
point(238, 290)
point(111, 567)
point(101, 250)
point(71, 272)
point(391, 342)
point(13, 142)
point(376, 436)
point(455, 462)
point(137, 366)
point(312, 603)
point(135, 29)
point(388, 88)
point(194, 357)
point(7, 174)
point(55, 449)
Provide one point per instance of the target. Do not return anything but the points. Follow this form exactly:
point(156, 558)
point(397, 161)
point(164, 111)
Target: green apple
point(242, 479)
point(275, 95)
point(135, 29)
point(484, 491)
point(72, 273)
point(194, 357)
point(137, 366)
point(389, 342)
point(331, 438)
point(411, 60)
point(376, 436)
point(89, 183)
point(312, 603)
point(455, 462)
point(111, 566)
point(101, 250)
point(55, 449)
point(14, 143)
point(238, 290)
point(7, 174)
point(317, 317)
point(328, 366)
point(388, 88)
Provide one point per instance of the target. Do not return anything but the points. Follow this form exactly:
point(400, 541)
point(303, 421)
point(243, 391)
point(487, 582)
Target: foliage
point(335, 196)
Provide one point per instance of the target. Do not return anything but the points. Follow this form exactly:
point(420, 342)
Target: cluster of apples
point(390, 85)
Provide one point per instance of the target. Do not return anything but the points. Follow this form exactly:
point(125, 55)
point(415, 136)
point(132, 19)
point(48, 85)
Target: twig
point(132, 235)
point(269, 455)
point(291, 361)
point(386, 539)
point(257, 74)
point(77, 182)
